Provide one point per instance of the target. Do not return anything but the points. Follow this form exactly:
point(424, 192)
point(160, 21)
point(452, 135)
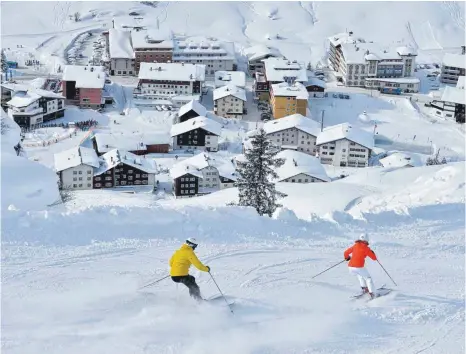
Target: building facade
point(152, 46)
point(83, 85)
point(229, 101)
point(453, 66)
point(287, 99)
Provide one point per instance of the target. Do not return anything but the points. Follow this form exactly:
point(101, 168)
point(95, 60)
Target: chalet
point(199, 132)
point(315, 87)
point(190, 110)
point(229, 101)
point(151, 46)
point(121, 54)
point(294, 132)
point(202, 174)
point(8, 91)
point(178, 83)
point(138, 144)
point(344, 145)
point(119, 168)
point(278, 70)
point(288, 98)
point(75, 167)
point(35, 107)
point(300, 168)
point(451, 102)
point(401, 160)
point(224, 78)
point(256, 54)
point(82, 85)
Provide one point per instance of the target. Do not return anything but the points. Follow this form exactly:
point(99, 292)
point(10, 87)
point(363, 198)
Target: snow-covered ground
point(71, 273)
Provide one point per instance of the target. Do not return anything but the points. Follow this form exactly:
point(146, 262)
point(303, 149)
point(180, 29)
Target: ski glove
point(208, 269)
point(347, 259)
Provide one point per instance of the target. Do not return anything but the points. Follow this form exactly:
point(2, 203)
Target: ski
point(358, 296)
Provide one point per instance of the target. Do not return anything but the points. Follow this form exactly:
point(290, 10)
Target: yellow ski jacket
point(182, 260)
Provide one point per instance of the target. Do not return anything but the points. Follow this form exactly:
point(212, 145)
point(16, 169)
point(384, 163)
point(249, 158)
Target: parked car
point(341, 96)
point(347, 97)
point(335, 95)
point(265, 116)
point(427, 104)
point(326, 94)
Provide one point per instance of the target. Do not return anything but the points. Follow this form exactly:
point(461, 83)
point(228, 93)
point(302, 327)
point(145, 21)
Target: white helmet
point(192, 242)
point(364, 237)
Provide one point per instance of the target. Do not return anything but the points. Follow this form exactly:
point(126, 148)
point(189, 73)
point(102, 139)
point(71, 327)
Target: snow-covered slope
point(26, 185)
point(432, 27)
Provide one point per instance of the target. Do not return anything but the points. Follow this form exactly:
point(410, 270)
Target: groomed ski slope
point(70, 278)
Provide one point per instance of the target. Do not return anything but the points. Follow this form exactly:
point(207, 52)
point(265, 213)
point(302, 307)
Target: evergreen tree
point(4, 64)
point(255, 175)
point(444, 161)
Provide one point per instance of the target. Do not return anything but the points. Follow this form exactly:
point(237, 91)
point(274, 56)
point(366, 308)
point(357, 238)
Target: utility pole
point(322, 121)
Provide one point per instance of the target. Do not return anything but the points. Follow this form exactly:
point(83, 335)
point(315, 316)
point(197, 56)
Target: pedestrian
point(179, 267)
point(359, 251)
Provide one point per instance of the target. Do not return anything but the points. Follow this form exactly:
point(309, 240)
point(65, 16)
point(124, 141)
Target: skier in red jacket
point(359, 251)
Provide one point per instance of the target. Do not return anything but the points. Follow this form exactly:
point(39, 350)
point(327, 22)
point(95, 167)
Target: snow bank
point(26, 185)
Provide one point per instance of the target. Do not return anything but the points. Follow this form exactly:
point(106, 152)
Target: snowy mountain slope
point(301, 26)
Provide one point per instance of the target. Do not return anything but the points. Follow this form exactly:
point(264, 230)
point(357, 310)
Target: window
point(89, 172)
point(80, 178)
point(192, 178)
point(89, 185)
point(182, 191)
point(182, 179)
point(75, 172)
point(108, 178)
point(300, 180)
point(123, 183)
point(80, 186)
point(75, 179)
point(130, 171)
point(97, 178)
point(138, 176)
point(192, 185)
point(89, 178)
point(344, 150)
point(306, 180)
point(80, 172)
point(145, 175)
point(293, 180)
point(75, 185)
point(119, 72)
point(191, 191)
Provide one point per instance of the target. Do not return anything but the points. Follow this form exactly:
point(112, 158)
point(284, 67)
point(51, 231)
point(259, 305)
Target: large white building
point(215, 55)
point(121, 54)
point(453, 66)
point(300, 168)
point(371, 65)
point(344, 145)
point(256, 54)
point(229, 101)
point(295, 132)
point(223, 78)
point(169, 83)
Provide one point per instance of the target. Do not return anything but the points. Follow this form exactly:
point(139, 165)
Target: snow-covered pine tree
point(255, 175)
point(4, 64)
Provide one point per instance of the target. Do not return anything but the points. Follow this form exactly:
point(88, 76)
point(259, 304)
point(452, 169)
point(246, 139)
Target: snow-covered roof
point(14, 87)
point(131, 142)
point(25, 98)
point(261, 51)
point(401, 80)
point(120, 44)
point(346, 131)
point(298, 121)
point(461, 82)
point(152, 38)
point(344, 37)
point(401, 159)
point(195, 123)
point(172, 71)
point(313, 81)
point(297, 90)
point(237, 78)
point(358, 53)
point(192, 105)
point(85, 76)
point(453, 95)
point(406, 50)
point(298, 162)
point(229, 90)
point(115, 156)
point(194, 165)
point(203, 47)
point(76, 156)
point(454, 60)
point(278, 69)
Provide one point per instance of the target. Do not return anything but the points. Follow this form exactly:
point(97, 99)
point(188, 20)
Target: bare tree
point(4, 128)
point(77, 16)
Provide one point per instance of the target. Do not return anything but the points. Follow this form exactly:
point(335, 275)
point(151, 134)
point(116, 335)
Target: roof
point(261, 51)
point(192, 105)
point(297, 90)
point(297, 121)
point(461, 82)
point(115, 156)
point(404, 80)
point(453, 95)
point(313, 81)
point(194, 165)
point(344, 37)
point(76, 156)
point(229, 90)
point(85, 76)
point(172, 71)
point(358, 53)
point(195, 123)
point(406, 50)
point(152, 38)
point(222, 78)
point(203, 46)
point(120, 44)
point(401, 159)
point(346, 131)
point(277, 69)
point(454, 60)
point(298, 162)
point(14, 87)
point(25, 98)
point(130, 142)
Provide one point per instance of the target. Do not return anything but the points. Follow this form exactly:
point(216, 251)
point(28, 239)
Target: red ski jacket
point(359, 252)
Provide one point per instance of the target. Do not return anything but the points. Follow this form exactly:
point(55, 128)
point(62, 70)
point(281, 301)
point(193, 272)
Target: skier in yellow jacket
point(179, 267)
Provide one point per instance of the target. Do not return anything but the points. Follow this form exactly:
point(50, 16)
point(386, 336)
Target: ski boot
point(365, 289)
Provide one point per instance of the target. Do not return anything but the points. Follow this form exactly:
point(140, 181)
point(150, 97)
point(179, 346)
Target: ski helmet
point(192, 242)
point(364, 237)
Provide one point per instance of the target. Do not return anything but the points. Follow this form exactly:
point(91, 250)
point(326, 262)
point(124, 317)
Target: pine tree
point(4, 64)
point(309, 66)
point(255, 175)
point(444, 161)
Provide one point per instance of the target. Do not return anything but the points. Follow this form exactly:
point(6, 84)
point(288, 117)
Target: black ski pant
point(190, 282)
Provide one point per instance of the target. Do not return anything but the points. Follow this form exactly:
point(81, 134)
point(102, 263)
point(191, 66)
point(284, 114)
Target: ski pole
point(154, 282)
point(224, 298)
point(387, 273)
point(329, 268)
